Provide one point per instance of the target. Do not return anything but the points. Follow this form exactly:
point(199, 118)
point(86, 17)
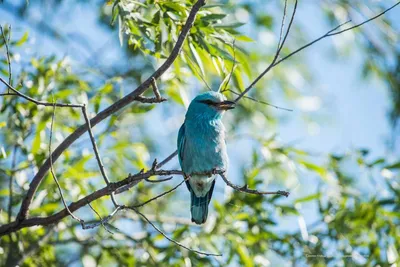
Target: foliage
point(355, 218)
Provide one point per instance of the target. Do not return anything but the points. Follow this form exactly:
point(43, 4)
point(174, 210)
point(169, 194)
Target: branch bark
point(105, 191)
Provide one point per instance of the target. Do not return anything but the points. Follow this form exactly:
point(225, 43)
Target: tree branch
point(6, 42)
point(105, 191)
point(54, 174)
point(108, 111)
point(278, 51)
point(245, 189)
point(170, 239)
point(37, 102)
point(330, 33)
point(96, 152)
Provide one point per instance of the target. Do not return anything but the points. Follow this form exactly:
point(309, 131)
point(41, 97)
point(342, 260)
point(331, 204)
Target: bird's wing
point(181, 143)
point(181, 149)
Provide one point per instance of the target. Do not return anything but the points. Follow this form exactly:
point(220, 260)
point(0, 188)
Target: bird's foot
point(216, 171)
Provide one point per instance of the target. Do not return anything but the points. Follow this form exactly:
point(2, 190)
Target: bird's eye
point(208, 102)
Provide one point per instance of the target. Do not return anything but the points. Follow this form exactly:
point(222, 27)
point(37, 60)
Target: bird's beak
point(225, 105)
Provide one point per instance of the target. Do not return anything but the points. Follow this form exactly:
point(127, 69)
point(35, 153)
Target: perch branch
point(245, 189)
point(118, 105)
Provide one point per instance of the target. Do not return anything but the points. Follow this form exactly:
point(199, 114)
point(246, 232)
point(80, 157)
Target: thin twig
point(273, 63)
point(245, 189)
point(10, 185)
point(160, 195)
point(170, 239)
point(155, 89)
point(366, 21)
point(327, 34)
point(37, 102)
point(229, 77)
point(96, 152)
point(6, 42)
point(158, 166)
point(101, 219)
point(158, 180)
point(167, 159)
point(282, 24)
point(259, 101)
point(53, 172)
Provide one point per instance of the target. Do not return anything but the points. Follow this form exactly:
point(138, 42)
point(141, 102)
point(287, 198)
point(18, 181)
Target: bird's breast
point(205, 148)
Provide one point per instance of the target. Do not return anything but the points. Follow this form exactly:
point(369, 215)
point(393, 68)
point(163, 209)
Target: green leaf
point(244, 255)
point(121, 30)
point(393, 166)
point(196, 58)
point(230, 26)
point(23, 39)
point(244, 38)
point(308, 198)
point(38, 140)
point(212, 17)
point(313, 167)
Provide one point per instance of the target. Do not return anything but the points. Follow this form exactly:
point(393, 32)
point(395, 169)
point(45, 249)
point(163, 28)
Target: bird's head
point(210, 105)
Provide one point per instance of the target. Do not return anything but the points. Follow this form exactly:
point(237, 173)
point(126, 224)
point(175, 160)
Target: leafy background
point(337, 152)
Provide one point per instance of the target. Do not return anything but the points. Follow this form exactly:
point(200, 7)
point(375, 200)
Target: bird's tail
point(199, 205)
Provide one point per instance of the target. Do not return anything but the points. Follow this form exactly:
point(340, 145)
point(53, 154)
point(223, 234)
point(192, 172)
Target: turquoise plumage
point(202, 149)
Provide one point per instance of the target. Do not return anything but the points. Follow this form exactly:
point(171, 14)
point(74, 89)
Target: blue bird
point(202, 149)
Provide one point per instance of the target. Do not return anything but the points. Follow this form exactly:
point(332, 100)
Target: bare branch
point(259, 101)
point(105, 191)
point(272, 64)
point(10, 184)
point(39, 103)
point(167, 159)
point(6, 42)
point(149, 100)
point(330, 33)
point(245, 189)
point(160, 195)
point(54, 174)
point(282, 24)
point(170, 239)
point(108, 111)
point(232, 69)
point(155, 89)
point(96, 152)
point(158, 166)
point(101, 219)
point(364, 22)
